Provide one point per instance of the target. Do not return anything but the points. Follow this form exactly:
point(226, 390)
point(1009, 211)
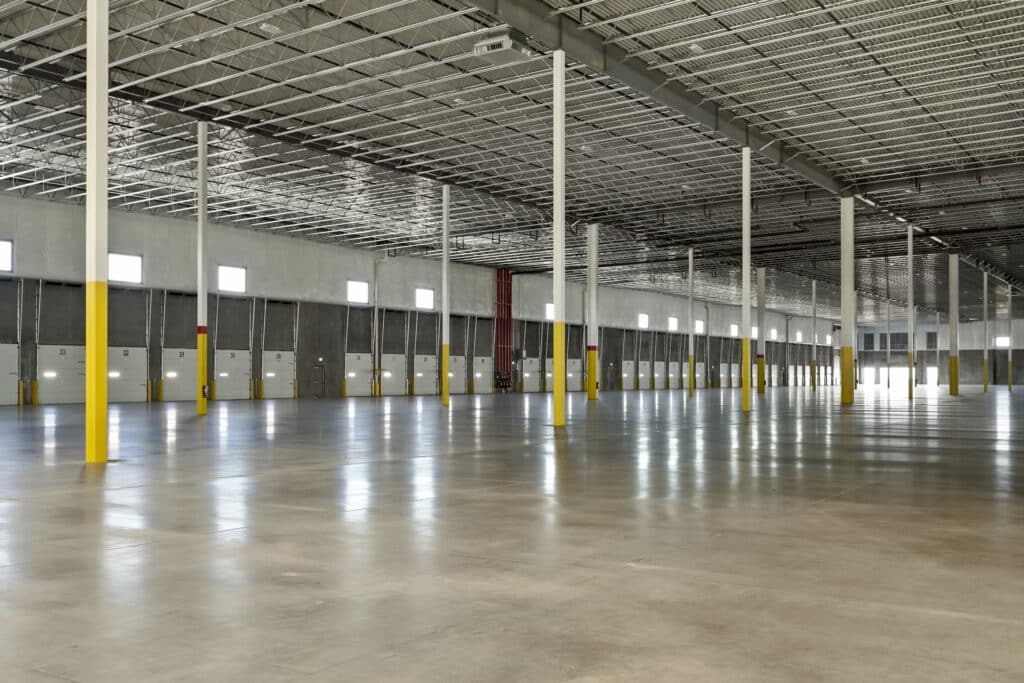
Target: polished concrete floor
point(660, 538)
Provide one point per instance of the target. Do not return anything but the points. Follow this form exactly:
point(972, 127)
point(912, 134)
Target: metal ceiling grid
point(339, 117)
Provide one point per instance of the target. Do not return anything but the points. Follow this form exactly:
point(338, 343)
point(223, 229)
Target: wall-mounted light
point(271, 374)
point(49, 374)
point(223, 374)
point(113, 374)
point(171, 374)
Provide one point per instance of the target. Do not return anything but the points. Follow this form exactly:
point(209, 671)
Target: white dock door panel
point(394, 375)
point(659, 374)
point(8, 374)
point(425, 368)
point(628, 375)
point(233, 374)
point(457, 374)
point(531, 375)
point(698, 367)
point(549, 375)
point(574, 375)
point(483, 375)
point(61, 374)
point(127, 373)
point(358, 374)
point(673, 375)
point(278, 374)
point(644, 368)
point(179, 380)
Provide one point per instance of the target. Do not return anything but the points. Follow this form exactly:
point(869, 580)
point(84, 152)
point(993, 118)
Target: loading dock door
point(359, 374)
point(127, 374)
point(234, 374)
point(278, 374)
point(179, 380)
point(61, 374)
point(530, 373)
point(483, 375)
point(628, 375)
point(574, 375)
point(457, 374)
point(644, 375)
point(8, 374)
point(659, 374)
point(675, 380)
point(425, 368)
point(699, 371)
point(394, 380)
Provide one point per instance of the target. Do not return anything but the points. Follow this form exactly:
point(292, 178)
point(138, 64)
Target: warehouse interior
point(511, 340)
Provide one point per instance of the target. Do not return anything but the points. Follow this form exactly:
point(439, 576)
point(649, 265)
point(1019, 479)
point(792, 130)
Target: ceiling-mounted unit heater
point(504, 48)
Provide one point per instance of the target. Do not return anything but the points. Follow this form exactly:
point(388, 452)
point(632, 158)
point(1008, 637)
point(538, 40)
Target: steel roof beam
point(534, 19)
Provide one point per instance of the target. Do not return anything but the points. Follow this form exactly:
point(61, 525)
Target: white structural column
point(848, 300)
point(202, 190)
point(954, 325)
point(984, 331)
point(762, 329)
point(593, 333)
point(1009, 336)
point(445, 311)
point(96, 80)
point(745, 304)
point(558, 236)
point(911, 313)
point(888, 343)
point(691, 348)
point(814, 335)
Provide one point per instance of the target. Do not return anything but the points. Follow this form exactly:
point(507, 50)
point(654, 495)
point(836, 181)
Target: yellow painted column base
point(592, 373)
point(814, 375)
point(159, 394)
point(954, 376)
point(984, 373)
point(260, 389)
point(21, 393)
point(445, 389)
point(204, 391)
point(691, 365)
point(344, 388)
point(745, 374)
point(34, 392)
point(846, 375)
point(558, 338)
point(96, 372)
point(761, 382)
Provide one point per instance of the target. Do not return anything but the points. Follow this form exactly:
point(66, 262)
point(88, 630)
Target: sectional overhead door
point(426, 344)
point(61, 373)
point(179, 382)
point(9, 374)
point(529, 355)
point(358, 379)
point(483, 355)
point(127, 374)
point(232, 361)
point(278, 374)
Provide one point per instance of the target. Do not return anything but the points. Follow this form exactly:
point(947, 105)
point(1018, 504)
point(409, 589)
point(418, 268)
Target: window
point(673, 324)
point(230, 279)
point(425, 298)
point(124, 268)
point(734, 330)
point(1002, 342)
point(869, 341)
point(643, 321)
point(549, 311)
point(799, 336)
point(753, 332)
point(932, 340)
point(898, 341)
point(828, 340)
point(358, 292)
point(6, 255)
point(774, 333)
point(698, 326)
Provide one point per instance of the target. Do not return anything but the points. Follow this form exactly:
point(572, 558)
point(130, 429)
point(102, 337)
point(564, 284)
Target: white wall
point(619, 307)
point(49, 242)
